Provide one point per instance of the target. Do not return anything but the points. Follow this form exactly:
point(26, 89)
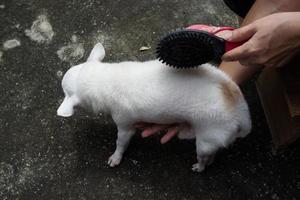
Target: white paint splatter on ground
point(59, 74)
point(17, 26)
point(72, 52)
point(10, 44)
point(2, 6)
point(74, 38)
point(41, 30)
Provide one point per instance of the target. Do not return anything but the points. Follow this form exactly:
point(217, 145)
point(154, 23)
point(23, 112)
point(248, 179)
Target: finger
point(169, 135)
point(238, 53)
point(249, 63)
point(242, 34)
point(153, 130)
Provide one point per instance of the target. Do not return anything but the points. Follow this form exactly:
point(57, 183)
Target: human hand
point(274, 40)
point(151, 129)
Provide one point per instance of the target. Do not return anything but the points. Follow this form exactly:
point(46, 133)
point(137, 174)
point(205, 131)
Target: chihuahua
point(204, 100)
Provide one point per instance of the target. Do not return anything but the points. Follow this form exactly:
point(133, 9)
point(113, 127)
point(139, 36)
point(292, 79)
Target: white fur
point(152, 92)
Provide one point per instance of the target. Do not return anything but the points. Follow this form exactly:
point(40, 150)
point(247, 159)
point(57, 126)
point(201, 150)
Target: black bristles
point(189, 48)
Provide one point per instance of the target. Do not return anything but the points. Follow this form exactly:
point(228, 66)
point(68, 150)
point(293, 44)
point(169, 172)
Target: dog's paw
point(114, 160)
point(197, 167)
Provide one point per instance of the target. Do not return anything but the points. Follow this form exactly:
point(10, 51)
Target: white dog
point(207, 103)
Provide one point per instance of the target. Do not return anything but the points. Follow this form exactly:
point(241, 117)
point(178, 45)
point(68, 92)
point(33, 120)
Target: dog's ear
point(97, 54)
point(66, 109)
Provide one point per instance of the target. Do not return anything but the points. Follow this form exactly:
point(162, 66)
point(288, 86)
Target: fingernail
point(163, 141)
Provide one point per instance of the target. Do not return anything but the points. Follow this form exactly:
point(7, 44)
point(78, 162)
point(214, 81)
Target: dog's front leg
point(124, 136)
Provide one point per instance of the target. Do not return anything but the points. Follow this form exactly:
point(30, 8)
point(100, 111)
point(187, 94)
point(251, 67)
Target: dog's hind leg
point(208, 141)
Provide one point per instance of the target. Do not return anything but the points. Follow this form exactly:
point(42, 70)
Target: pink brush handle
point(232, 45)
point(229, 45)
point(214, 30)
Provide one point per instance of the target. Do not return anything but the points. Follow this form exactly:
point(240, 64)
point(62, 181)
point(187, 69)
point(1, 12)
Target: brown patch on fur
point(231, 93)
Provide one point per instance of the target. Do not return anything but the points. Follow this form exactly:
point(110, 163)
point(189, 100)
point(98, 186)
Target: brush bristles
point(188, 48)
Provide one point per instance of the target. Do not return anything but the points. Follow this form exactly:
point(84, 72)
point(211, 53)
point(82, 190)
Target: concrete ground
point(43, 156)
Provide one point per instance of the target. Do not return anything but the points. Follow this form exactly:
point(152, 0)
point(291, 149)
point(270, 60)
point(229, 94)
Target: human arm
point(272, 41)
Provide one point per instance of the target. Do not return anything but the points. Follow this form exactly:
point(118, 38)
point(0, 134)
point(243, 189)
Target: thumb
point(237, 54)
point(242, 34)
